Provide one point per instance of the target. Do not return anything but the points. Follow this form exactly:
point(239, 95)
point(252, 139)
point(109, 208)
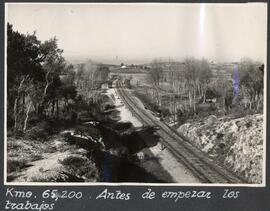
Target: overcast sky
point(140, 32)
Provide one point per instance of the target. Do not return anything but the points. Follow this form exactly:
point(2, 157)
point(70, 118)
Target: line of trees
point(197, 75)
point(42, 86)
point(251, 82)
point(155, 77)
point(89, 78)
point(193, 79)
point(35, 87)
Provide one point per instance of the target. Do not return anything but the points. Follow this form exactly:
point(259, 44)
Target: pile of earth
point(237, 143)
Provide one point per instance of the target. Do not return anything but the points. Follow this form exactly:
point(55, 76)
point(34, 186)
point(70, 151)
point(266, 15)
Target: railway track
point(203, 167)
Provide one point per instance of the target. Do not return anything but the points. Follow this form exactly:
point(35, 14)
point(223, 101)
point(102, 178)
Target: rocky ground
point(54, 160)
point(237, 143)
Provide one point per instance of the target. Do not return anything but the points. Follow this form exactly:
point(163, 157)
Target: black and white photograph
point(135, 93)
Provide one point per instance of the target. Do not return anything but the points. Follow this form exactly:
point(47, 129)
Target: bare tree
point(204, 77)
point(17, 99)
point(154, 76)
point(191, 79)
point(251, 80)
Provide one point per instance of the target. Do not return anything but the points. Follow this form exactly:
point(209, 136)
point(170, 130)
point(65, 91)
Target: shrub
point(15, 165)
point(165, 112)
point(80, 167)
point(37, 133)
point(73, 161)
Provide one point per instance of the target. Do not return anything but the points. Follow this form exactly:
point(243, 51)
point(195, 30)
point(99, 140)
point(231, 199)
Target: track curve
point(203, 167)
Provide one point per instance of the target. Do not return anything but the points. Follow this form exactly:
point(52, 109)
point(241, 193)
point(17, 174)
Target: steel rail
point(197, 161)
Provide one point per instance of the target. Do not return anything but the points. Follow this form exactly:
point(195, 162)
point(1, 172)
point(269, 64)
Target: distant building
point(123, 66)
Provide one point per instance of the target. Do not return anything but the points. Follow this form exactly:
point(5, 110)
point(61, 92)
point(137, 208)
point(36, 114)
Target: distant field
point(127, 70)
point(136, 78)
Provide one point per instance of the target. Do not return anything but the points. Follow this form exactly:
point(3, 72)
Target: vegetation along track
point(198, 162)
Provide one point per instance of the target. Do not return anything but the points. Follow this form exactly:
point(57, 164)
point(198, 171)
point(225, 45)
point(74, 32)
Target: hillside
point(237, 143)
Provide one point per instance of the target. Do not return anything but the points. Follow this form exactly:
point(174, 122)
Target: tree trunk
point(200, 89)
point(194, 101)
point(204, 98)
point(250, 102)
point(57, 110)
point(170, 103)
point(190, 99)
point(16, 102)
point(53, 106)
point(47, 84)
point(224, 105)
point(15, 113)
point(23, 100)
point(27, 116)
point(174, 112)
